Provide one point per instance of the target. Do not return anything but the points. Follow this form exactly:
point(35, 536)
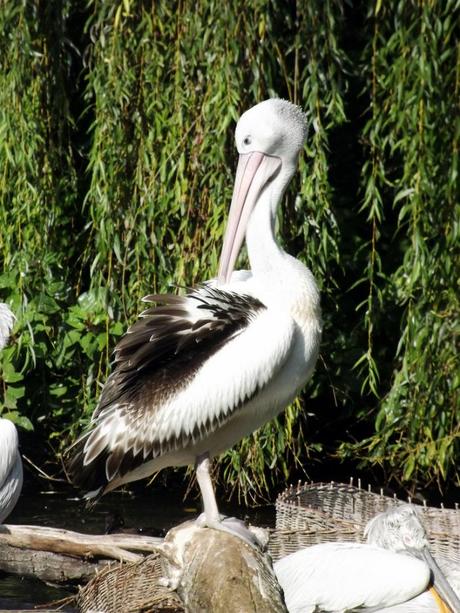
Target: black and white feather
point(138, 417)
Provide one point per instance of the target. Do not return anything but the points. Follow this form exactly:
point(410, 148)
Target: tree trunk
point(219, 572)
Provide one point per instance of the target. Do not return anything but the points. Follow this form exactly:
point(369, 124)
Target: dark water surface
point(152, 510)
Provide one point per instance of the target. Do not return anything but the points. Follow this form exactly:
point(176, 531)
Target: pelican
point(10, 468)
point(197, 373)
point(393, 572)
point(10, 459)
point(6, 324)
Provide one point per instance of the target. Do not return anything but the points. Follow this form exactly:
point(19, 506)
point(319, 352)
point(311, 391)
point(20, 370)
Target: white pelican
point(10, 459)
point(10, 468)
point(393, 572)
point(195, 375)
point(6, 323)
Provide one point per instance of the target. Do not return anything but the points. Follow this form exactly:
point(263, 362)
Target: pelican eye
point(247, 140)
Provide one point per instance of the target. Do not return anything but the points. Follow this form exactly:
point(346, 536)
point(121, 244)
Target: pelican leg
point(211, 516)
point(203, 475)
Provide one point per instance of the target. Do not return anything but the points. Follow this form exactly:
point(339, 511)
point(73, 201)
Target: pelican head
point(401, 530)
point(269, 138)
point(274, 127)
point(398, 530)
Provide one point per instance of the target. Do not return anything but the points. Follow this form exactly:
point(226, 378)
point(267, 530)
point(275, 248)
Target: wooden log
point(117, 546)
point(48, 566)
point(63, 556)
point(216, 571)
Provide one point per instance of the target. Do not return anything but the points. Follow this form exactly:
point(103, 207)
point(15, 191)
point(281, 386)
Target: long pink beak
point(252, 174)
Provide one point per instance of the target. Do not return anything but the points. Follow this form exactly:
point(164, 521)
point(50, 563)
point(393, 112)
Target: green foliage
point(117, 157)
point(37, 195)
point(409, 181)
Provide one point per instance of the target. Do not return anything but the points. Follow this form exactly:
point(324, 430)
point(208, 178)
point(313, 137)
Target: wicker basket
point(132, 587)
point(323, 512)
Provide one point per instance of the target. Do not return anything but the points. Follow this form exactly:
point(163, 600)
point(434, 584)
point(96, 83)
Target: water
point(152, 510)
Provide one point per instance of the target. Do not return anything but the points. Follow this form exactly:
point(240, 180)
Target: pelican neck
point(264, 253)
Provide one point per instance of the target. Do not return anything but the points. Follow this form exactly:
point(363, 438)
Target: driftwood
point(193, 569)
point(117, 546)
point(47, 566)
point(63, 556)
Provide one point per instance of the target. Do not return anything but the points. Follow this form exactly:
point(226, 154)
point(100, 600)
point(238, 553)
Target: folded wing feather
point(179, 372)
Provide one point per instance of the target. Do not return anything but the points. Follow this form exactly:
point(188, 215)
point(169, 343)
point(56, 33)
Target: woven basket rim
point(291, 494)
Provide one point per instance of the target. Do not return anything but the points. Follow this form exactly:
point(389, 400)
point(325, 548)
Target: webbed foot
point(231, 525)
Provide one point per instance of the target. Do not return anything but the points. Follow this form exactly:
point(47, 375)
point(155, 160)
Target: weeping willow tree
point(38, 195)
point(410, 197)
point(117, 155)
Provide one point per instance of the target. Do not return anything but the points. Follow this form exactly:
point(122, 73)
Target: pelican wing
point(10, 489)
point(349, 577)
point(9, 443)
point(180, 372)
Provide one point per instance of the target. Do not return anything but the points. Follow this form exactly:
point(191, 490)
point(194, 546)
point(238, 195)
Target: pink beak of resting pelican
point(254, 171)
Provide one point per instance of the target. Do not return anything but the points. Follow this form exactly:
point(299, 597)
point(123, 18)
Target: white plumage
point(197, 373)
point(10, 459)
point(249, 360)
point(10, 468)
point(427, 602)
point(382, 575)
point(345, 576)
point(6, 323)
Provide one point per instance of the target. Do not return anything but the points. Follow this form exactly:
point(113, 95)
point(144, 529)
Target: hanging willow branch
point(409, 180)
point(117, 167)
